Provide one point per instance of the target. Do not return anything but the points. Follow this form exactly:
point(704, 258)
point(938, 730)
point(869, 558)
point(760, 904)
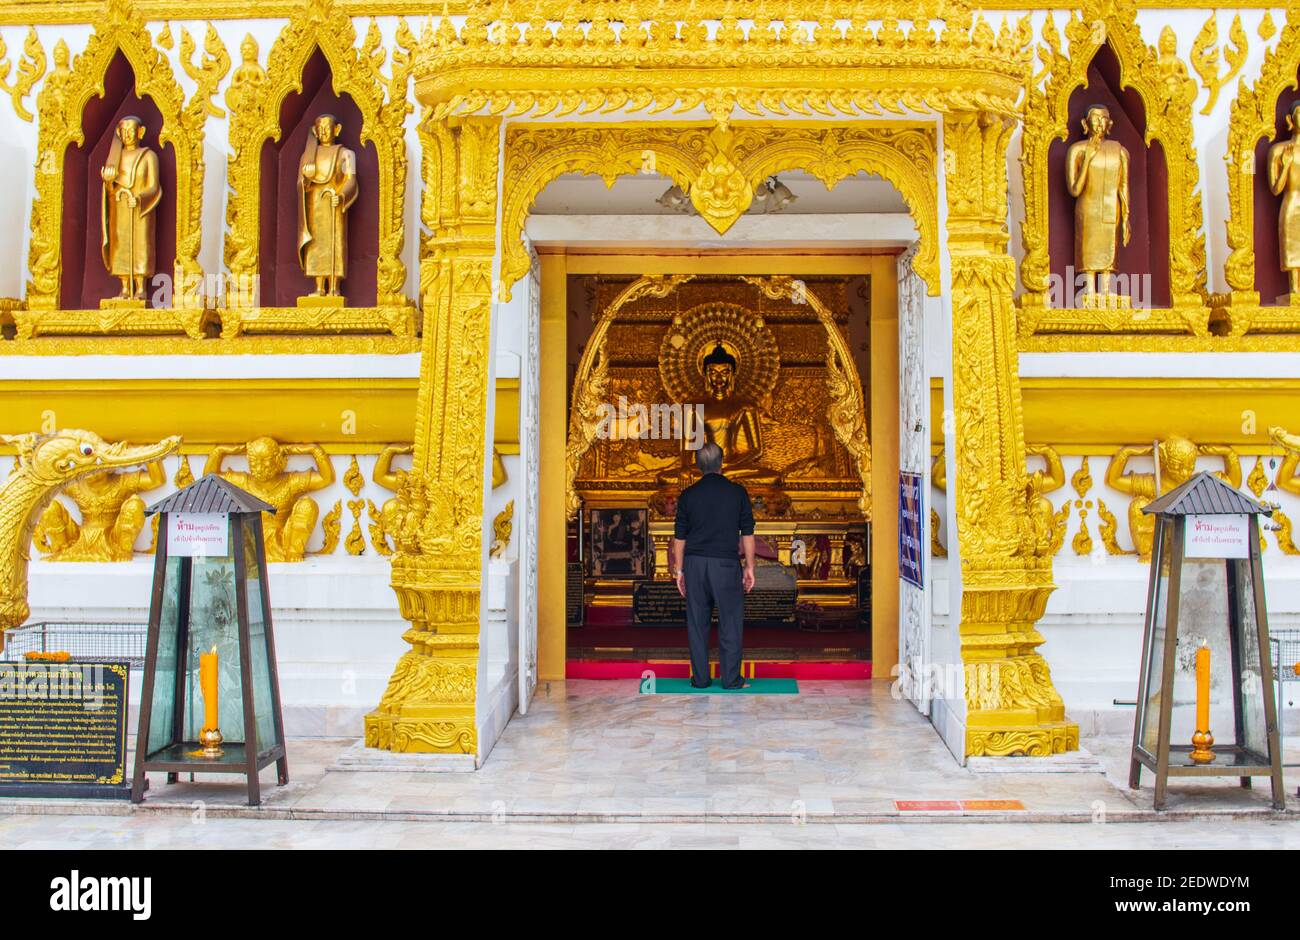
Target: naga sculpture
point(46, 464)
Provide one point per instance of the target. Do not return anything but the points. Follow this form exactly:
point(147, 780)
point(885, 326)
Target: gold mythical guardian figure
point(1177, 461)
point(392, 479)
point(1042, 529)
point(1097, 173)
point(128, 208)
point(294, 520)
point(327, 188)
point(731, 421)
point(112, 515)
point(1284, 181)
point(46, 464)
point(1287, 478)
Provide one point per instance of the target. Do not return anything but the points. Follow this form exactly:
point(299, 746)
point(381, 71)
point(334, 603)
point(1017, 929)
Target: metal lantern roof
point(211, 494)
point(1205, 495)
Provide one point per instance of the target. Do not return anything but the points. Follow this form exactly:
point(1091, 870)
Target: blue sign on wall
point(911, 513)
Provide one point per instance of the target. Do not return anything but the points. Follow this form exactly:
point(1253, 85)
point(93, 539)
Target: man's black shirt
point(711, 513)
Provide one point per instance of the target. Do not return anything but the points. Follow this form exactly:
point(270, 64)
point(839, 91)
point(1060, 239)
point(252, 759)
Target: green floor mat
point(684, 687)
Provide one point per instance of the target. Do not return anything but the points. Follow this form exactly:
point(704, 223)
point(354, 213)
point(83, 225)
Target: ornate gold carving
point(31, 68)
point(1108, 527)
point(1167, 93)
point(331, 528)
point(355, 543)
point(1206, 53)
point(60, 105)
point(429, 704)
point(536, 155)
point(1267, 28)
point(291, 525)
point(46, 464)
point(255, 98)
point(112, 515)
point(1252, 119)
point(501, 528)
point(936, 547)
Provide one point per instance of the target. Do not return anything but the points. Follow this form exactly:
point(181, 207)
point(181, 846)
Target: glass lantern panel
point(259, 652)
point(1249, 666)
point(1159, 605)
point(214, 627)
point(1203, 622)
point(162, 709)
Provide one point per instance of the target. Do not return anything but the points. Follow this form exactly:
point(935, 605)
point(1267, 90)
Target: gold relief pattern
point(501, 528)
point(355, 543)
point(429, 704)
point(60, 105)
point(903, 154)
point(31, 68)
point(45, 465)
point(1206, 53)
point(1167, 93)
point(1252, 119)
point(254, 99)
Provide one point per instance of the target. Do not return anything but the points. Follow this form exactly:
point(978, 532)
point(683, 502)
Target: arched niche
point(1270, 279)
point(282, 280)
point(85, 280)
point(1145, 260)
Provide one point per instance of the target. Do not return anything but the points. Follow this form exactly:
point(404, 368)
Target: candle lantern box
point(1205, 705)
point(210, 701)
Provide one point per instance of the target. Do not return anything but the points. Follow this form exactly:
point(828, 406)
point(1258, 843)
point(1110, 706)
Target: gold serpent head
point(64, 456)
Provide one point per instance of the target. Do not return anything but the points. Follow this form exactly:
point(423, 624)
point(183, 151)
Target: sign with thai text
point(195, 534)
point(1217, 537)
point(911, 515)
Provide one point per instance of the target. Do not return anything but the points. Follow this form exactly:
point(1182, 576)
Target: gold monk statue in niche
point(128, 208)
point(294, 520)
point(1284, 181)
point(1096, 171)
point(1177, 462)
point(731, 421)
point(327, 188)
point(112, 515)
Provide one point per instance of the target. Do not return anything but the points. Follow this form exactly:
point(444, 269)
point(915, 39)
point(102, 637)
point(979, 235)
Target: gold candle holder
point(211, 740)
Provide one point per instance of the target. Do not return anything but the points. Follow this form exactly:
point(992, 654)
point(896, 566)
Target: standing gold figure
point(1177, 462)
point(1284, 181)
point(288, 530)
point(1097, 174)
point(112, 515)
point(327, 187)
point(128, 205)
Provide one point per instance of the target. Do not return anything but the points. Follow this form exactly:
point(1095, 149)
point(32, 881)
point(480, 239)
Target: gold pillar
point(429, 702)
point(551, 522)
point(884, 465)
point(1011, 705)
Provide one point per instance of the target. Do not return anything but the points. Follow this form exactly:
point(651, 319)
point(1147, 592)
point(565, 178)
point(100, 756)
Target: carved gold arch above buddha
point(61, 104)
point(1166, 92)
point(847, 411)
point(719, 167)
point(1252, 122)
point(255, 98)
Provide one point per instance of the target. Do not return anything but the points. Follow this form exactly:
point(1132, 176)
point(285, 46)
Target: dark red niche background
point(282, 280)
point(1148, 183)
point(1269, 279)
point(85, 281)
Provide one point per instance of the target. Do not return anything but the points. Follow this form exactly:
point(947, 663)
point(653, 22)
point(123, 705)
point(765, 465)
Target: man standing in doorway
point(711, 513)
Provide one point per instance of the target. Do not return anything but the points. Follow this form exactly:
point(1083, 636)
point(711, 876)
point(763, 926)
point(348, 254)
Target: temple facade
point(960, 288)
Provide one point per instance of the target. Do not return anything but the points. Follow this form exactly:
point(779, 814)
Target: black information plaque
point(657, 603)
point(573, 590)
point(63, 729)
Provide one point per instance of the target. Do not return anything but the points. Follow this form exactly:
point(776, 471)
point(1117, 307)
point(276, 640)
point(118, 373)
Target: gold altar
point(762, 365)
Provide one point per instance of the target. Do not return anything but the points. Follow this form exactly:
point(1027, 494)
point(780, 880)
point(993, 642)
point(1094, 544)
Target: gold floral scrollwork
point(1206, 54)
point(60, 105)
point(31, 68)
point(704, 161)
point(254, 98)
point(501, 528)
point(1161, 81)
point(1251, 120)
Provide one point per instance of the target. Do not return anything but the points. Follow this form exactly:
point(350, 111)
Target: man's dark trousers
point(711, 581)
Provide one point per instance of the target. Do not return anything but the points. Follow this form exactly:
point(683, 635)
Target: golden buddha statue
point(327, 188)
point(112, 515)
point(289, 528)
point(1176, 459)
point(128, 203)
point(1284, 181)
point(731, 421)
point(1097, 174)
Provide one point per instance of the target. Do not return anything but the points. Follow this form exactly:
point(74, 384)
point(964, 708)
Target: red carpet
point(681, 669)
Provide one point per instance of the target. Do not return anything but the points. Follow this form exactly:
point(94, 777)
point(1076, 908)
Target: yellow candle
point(208, 683)
point(1203, 689)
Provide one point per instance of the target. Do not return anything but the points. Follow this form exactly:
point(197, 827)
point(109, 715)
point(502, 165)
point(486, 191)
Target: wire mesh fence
point(78, 640)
